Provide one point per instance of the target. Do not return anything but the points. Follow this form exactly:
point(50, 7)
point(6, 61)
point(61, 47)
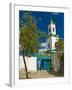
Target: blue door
point(44, 64)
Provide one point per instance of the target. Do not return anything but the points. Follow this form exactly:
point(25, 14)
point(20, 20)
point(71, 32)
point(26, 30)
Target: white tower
point(52, 38)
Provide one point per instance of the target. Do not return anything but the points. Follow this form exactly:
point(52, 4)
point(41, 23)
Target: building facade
point(49, 45)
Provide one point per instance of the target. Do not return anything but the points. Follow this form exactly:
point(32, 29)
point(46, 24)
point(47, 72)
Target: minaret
point(51, 36)
point(51, 28)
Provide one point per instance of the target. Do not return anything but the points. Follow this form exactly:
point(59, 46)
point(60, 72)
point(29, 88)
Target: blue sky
point(57, 17)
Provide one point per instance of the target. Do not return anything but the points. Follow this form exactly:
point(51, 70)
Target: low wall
point(31, 63)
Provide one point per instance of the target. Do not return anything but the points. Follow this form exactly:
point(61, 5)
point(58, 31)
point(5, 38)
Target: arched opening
point(53, 29)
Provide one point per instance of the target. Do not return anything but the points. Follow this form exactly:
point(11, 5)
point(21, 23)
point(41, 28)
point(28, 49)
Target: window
point(53, 29)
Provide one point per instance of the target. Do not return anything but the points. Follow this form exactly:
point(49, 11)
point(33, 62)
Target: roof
point(51, 21)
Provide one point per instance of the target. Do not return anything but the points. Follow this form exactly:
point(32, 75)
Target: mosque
point(43, 62)
point(49, 45)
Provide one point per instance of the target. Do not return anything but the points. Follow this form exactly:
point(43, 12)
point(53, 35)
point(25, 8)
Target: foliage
point(59, 45)
point(60, 48)
point(42, 35)
point(27, 19)
point(28, 36)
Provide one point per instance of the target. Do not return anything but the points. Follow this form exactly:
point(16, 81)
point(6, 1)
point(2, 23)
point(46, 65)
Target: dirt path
point(38, 74)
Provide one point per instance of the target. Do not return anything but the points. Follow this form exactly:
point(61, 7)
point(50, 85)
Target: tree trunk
point(25, 65)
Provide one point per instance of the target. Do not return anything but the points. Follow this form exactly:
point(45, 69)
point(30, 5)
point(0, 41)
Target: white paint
point(52, 39)
point(51, 26)
point(50, 42)
point(21, 63)
point(31, 63)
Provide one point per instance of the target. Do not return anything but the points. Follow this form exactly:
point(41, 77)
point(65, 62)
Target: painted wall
point(51, 26)
point(31, 63)
point(53, 42)
point(49, 42)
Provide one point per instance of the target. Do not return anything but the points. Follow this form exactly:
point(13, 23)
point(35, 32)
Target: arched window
point(53, 29)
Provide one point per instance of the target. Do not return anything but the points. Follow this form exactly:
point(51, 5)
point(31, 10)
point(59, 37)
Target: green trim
point(50, 35)
point(52, 50)
point(43, 55)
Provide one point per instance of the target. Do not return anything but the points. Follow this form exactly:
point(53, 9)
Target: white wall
point(21, 63)
point(32, 64)
point(53, 42)
point(52, 39)
point(49, 42)
point(51, 26)
point(30, 61)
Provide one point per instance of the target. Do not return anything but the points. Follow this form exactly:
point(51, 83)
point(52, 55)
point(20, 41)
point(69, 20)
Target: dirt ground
point(38, 74)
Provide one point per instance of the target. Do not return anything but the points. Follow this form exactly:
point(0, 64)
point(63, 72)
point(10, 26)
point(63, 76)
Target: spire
point(51, 22)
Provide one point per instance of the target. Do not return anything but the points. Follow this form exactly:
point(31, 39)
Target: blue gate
point(44, 63)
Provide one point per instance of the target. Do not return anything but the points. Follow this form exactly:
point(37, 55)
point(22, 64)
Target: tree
point(28, 38)
point(60, 50)
point(59, 45)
